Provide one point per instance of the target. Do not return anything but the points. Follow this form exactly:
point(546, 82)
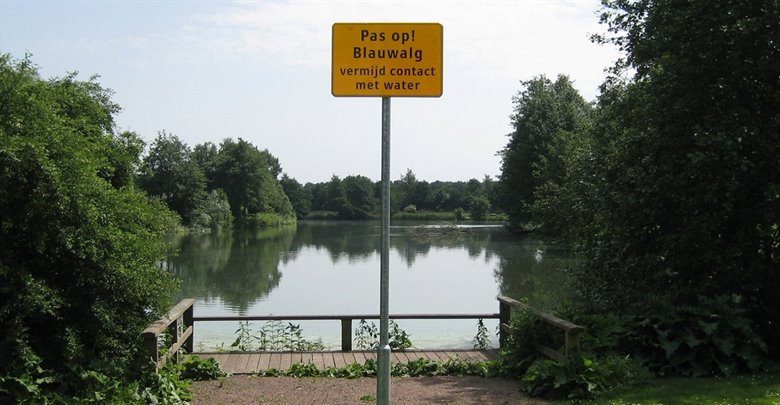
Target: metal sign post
point(386, 60)
point(383, 366)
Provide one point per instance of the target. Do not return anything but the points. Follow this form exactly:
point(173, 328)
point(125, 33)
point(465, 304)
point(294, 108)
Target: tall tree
point(687, 158)
point(242, 171)
point(170, 173)
point(299, 197)
point(79, 244)
point(542, 109)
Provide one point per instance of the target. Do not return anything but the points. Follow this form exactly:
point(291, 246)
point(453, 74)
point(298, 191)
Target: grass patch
point(323, 215)
point(742, 389)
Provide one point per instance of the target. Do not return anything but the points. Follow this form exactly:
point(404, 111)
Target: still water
point(324, 268)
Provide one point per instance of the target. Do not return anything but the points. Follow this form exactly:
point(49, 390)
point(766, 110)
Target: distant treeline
point(358, 197)
point(211, 187)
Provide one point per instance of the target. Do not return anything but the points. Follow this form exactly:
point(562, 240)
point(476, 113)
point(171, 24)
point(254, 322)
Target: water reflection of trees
point(238, 267)
point(532, 269)
point(241, 267)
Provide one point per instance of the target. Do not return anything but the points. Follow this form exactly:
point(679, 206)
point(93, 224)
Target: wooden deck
point(251, 362)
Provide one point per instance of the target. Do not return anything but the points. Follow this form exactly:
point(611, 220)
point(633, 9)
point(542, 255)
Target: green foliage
point(248, 177)
point(169, 173)
point(367, 336)
point(198, 369)
point(415, 368)
point(273, 336)
point(213, 212)
point(758, 388)
point(482, 338)
point(714, 336)
point(300, 198)
point(79, 274)
point(165, 387)
point(459, 213)
point(478, 208)
point(544, 111)
point(684, 165)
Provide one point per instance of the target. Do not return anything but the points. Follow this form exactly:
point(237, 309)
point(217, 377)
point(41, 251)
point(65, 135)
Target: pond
point(332, 268)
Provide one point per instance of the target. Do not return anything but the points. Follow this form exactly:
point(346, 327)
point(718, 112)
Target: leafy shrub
point(460, 214)
point(482, 338)
point(367, 336)
point(410, 208)
point(274, 335)
point(198, 369)
point(478, 208)
point(713, 337)
point(79, 273)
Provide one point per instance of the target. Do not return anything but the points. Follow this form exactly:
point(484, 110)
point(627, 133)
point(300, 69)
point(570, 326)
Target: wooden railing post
point(150, 347)
point(572, 342)
point(346, 334)
point(504, 314)
point(189, 344)
point(172, 323)
point(174, 332)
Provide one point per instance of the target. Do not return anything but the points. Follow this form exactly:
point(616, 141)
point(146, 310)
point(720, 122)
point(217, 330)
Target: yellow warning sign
point(387, 60)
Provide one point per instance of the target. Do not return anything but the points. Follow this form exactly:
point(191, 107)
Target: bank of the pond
point(458, 215)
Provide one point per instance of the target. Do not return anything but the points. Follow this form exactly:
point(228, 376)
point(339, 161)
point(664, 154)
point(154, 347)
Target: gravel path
point(244, 389)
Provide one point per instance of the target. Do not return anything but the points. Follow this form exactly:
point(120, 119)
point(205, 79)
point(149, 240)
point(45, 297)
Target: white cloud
point(506, 39)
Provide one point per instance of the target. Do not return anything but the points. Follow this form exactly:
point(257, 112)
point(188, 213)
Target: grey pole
point(383, 366)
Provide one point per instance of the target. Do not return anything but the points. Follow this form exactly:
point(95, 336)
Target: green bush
point(198, 369)
point(713, 337)
point(79, 243)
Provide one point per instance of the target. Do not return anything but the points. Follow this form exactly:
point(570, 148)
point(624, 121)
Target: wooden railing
point(571, 331)
point(179, 324)
point(346, 320)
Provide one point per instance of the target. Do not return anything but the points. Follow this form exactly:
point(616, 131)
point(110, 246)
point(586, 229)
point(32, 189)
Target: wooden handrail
point(346, 320)
point(180, 322)
point(339, 317)
point(571, 331)
point(179, 315)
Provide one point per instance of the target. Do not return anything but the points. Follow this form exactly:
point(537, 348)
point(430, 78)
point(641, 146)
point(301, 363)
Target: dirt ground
point(244, 389)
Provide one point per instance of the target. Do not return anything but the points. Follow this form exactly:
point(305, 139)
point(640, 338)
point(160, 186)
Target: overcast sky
point(261, 71)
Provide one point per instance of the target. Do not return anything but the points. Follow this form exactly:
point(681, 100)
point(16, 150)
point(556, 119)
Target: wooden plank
point(451, 354)
point(370, 354)
point(328, 359)
point(252, 364)
point(286, 361)
point(340, 317)
point(492, 354)
point(338, 359)
point(230, 363)
point(360, 358)
point(276, 361)
point(176, 312)
point(264, 362)
point(349, 357)
point(433, 355)
point(242, 362)
point(296, 357)
point(306, 357)
point(553, 354)
point(475, 355)
point(319, 361)
point(222, 359)
point(415, 355)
